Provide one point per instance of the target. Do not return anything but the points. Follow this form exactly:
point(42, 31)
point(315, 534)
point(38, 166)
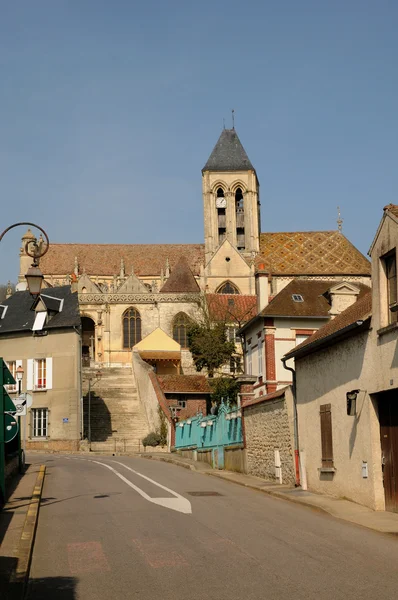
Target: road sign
point(22, 403)
point(10, 427)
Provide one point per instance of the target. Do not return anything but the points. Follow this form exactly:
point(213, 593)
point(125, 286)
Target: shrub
point(152, 439)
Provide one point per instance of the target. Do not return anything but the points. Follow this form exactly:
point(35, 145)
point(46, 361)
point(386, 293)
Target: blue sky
point(109, 110)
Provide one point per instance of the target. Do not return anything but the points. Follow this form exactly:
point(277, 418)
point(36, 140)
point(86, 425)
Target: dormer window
point(297, 298)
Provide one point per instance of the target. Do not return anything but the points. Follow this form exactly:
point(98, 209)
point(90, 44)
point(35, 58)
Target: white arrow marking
point(178, 503)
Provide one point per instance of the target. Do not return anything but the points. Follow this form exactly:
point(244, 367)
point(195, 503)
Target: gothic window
point(181, 325)
point(228, 288)
point(240, 220)
point(131, 328)
point(220, 193)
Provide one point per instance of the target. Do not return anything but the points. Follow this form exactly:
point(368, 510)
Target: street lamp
point(34, 277)
point(95, 379)
point(19, 376)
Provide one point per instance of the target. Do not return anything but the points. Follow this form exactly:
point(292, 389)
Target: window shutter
point(326, 435)
point(29, 374)
point(49, 373)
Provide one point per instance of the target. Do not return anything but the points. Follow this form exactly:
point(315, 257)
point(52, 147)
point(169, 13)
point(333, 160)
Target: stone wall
point(269, 427)
point(146, 391)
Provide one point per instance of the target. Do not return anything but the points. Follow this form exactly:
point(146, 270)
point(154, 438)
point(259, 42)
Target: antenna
point(233, 118)
point(339, 220)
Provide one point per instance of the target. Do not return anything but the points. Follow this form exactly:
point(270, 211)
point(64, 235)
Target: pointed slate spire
point(228, 154)
point(181, 279)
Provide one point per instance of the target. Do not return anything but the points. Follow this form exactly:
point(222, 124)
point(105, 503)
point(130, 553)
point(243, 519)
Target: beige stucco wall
point(63, 400)
point(269, 427)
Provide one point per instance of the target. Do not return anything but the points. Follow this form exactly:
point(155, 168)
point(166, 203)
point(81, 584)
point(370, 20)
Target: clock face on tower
point(221, 202)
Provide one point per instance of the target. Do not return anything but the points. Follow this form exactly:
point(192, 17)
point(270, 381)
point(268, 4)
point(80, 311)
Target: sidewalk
point(12, 520)
point(384, 522)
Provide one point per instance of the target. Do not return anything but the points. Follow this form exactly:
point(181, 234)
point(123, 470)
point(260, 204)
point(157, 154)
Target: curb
point(21, 575)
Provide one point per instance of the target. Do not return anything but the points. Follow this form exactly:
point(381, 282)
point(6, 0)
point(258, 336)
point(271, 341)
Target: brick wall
point(193, 406)
point(269, 426)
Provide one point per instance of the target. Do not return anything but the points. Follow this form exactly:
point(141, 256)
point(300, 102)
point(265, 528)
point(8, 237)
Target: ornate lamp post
point(34, 277)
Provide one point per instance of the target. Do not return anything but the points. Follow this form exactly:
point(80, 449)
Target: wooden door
point(388, 418)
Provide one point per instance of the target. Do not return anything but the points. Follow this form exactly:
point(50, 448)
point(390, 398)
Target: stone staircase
point(118, 418)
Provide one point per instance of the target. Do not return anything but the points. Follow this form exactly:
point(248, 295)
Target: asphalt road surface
point(113, 528)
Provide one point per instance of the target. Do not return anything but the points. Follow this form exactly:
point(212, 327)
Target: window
point(260, 357)
point(300, 338)
point(131, 328)
point(232, 333)
point(297, 298)
point(39, 422)
point(235, 364)
point(249, 360)
point(181, 325)
point(12, 367)
point(326, 436)
point(182, 403)
point(39, 374)
point(390, 267)
point(228, 288)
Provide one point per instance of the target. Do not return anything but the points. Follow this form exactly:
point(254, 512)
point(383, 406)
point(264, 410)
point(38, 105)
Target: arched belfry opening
point(240, 220)
point(221, 206)
point(88, 341)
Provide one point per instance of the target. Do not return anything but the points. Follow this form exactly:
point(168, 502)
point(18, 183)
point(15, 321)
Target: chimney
point(262, 290)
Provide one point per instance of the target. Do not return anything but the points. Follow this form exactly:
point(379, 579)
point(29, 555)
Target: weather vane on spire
point(233, 118)
point(339, 220)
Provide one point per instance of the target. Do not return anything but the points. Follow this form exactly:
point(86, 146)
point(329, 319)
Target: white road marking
point(178, 503)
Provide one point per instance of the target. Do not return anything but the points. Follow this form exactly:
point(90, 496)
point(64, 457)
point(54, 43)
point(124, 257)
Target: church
point(143, 296)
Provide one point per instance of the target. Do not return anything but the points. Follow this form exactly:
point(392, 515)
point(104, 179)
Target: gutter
point(296, 435)
point(317, 344)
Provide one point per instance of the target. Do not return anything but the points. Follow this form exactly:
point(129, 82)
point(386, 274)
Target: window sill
point(40, 390)
point(327, 470)
point(387, 329)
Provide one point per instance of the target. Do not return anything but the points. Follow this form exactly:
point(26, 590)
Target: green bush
point(224, 388)
point(152, 439)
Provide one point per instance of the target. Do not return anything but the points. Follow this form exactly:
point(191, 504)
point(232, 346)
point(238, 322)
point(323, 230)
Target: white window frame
point(39, 424)
point(260, 357)
point(33, 374)
point(12, 366)
point(249, 361)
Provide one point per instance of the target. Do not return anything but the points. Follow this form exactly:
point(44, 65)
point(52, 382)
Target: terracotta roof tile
point(104, 259)
point(310, 253)
point(193, 384)
point(359, 311)
point(266, 398)
point(181, 279)
point(232, 308)
point(314, 304)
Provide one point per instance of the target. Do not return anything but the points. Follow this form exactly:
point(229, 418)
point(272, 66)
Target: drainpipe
point(296, 436)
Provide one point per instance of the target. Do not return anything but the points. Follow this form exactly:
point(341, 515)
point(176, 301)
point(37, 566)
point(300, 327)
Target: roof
point(391, 210)
point(266, 398)
point(160, 354)
point(315, 303)
point(184, 384)
point(181, 279)
point(228, 154)
point(231, 307)
point(104, 259)
point(20, 317)
point(355, 314)
point(310, 253)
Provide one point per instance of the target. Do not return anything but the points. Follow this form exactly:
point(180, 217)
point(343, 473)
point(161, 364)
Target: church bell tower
point(230, 197)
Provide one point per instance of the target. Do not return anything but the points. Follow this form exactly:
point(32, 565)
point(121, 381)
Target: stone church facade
point(127, 291)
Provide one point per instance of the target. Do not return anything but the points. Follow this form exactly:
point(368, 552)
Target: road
point(106, 532)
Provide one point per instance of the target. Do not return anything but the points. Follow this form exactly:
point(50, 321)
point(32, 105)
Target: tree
point(225, 388)
point(208, 344)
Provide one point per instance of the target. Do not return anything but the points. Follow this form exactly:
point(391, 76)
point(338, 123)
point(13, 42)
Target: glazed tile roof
point(310, 253)
point(228, 154)
point(104, 259)
point(315, 303)
point(188, 384)
point(231, 308)
point(181, 279)
point(359, 311)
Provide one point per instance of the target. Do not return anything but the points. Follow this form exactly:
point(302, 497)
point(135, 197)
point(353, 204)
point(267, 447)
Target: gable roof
point(188, 384)
point(181, 279)
point(104, 259)
point(315, 303)
point(228, 154)
point(310, 253)
point(20, 317)
point(391, 210)
point(231, 308)
point(352, 318)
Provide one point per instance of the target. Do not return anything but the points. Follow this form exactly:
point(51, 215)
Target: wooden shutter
point(49, 373)
point(29, 374)
point(326, 435)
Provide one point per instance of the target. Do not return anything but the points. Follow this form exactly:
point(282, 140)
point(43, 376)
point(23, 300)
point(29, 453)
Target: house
point(347, 389)
point(186, 395)
point(44, 338)
point(291, 316)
